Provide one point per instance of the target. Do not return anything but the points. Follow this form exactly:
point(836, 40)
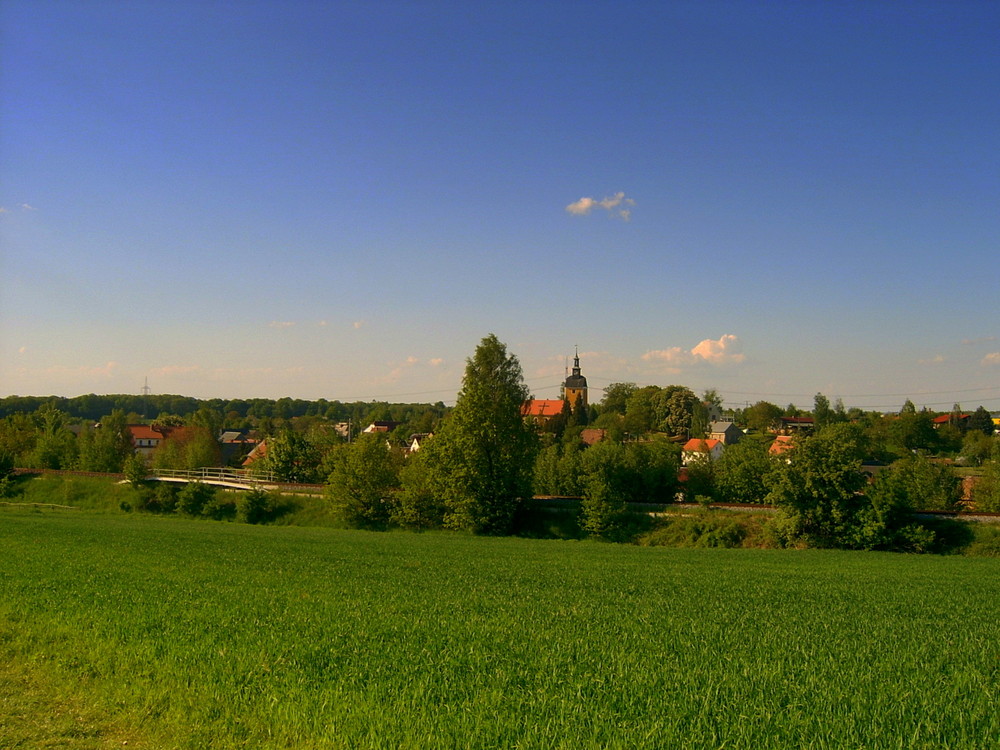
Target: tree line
point(485, 460)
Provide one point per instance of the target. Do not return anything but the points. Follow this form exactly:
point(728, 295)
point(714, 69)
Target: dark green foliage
point(363, 481)
point(158, 497)
point(743, 471)
point(819, 488)
point(700, 482)
point(981, 421)
point(106, 448)
point(221, 506)
point(986, 491)
point(557, 470)
point(822, 413)
point(484, 452)
point(290, 457)
point(605, 489)
point(977, 447)
point(616, 397)
point(705, 529)
point(194, 497)
point(135, 470)
point(253, 506)
point(985, 541)
point(6, 464)
point(611, 475)
point(927, 485)
point(761, 417)
point(55, 447)
point(910, 484)
point(417, 506)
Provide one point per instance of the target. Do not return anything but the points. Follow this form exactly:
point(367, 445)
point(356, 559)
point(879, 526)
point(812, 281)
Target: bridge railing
point(219, 474)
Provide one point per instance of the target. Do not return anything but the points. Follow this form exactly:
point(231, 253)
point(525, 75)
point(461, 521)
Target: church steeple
point(575, 387)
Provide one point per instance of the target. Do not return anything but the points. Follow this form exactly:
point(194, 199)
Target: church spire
point(575, 387)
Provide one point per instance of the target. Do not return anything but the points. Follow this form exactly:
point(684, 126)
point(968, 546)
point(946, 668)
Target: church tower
point(575, 387)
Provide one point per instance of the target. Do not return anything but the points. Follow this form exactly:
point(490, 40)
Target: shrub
point(707, 529)
point(253, 506)
point(193, 498)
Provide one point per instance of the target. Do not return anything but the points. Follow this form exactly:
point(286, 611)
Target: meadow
point(154, 632)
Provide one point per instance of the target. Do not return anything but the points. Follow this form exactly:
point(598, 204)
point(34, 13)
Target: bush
point(707, 529)
point(193, 498)
point(253, 506)
point(985, 542)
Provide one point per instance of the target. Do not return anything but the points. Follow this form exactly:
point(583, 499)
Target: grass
point(171, 634)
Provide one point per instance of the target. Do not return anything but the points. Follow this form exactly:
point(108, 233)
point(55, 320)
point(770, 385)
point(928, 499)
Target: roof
point(259, 451)
point(592, 435)
point(781, 444)
point(545, 407)
point(722, 426)
point(381, 426)
point(144, 432)
point(701, 445)
point(946, 418)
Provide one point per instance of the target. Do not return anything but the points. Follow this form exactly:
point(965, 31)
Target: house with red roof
point(145, 439)
point(781, 444)
point(697, 449)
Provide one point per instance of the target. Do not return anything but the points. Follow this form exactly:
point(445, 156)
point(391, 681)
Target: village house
point(697, 449)
point(145, 439)
point(727, 432)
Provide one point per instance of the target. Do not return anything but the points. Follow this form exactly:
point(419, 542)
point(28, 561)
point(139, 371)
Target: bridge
point(237, 479)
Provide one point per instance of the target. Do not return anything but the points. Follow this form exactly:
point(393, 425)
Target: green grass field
point(151, 632)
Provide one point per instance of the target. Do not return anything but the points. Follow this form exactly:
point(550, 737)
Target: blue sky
point(339, 200)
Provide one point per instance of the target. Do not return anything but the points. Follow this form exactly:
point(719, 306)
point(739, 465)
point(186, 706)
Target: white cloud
point(281, 323)
point(935, 360)
point(724, 351)
point(22, 350)
point(980, 340)
point(358, 324)
point(614, 205)
point(26, 207)
point(435, 362)
point(993, 358)
point(322, 324)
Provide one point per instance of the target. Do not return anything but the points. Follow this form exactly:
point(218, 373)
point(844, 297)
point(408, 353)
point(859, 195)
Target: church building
point(574, 391)
point(575, 387)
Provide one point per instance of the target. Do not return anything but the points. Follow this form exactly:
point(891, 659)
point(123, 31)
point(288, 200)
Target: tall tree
point(291, 457)
point(678, 409)
point(982, 421)
point(762, 416)
point(484, 452)
point(616, 397)
point(363, 481)
point(742, 472)
point(109, 445)
point(818, 488)
point(822, 413)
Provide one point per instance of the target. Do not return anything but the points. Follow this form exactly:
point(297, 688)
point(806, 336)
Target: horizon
point(311, 200)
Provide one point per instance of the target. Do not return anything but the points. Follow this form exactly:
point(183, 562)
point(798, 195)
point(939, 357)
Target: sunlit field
point(163, 633)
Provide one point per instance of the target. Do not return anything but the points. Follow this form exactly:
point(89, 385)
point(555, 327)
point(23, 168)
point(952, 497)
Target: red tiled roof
point(946, 418)
point(781, 444)
point(144, 432)
point(542, 407)
point(702, 445)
